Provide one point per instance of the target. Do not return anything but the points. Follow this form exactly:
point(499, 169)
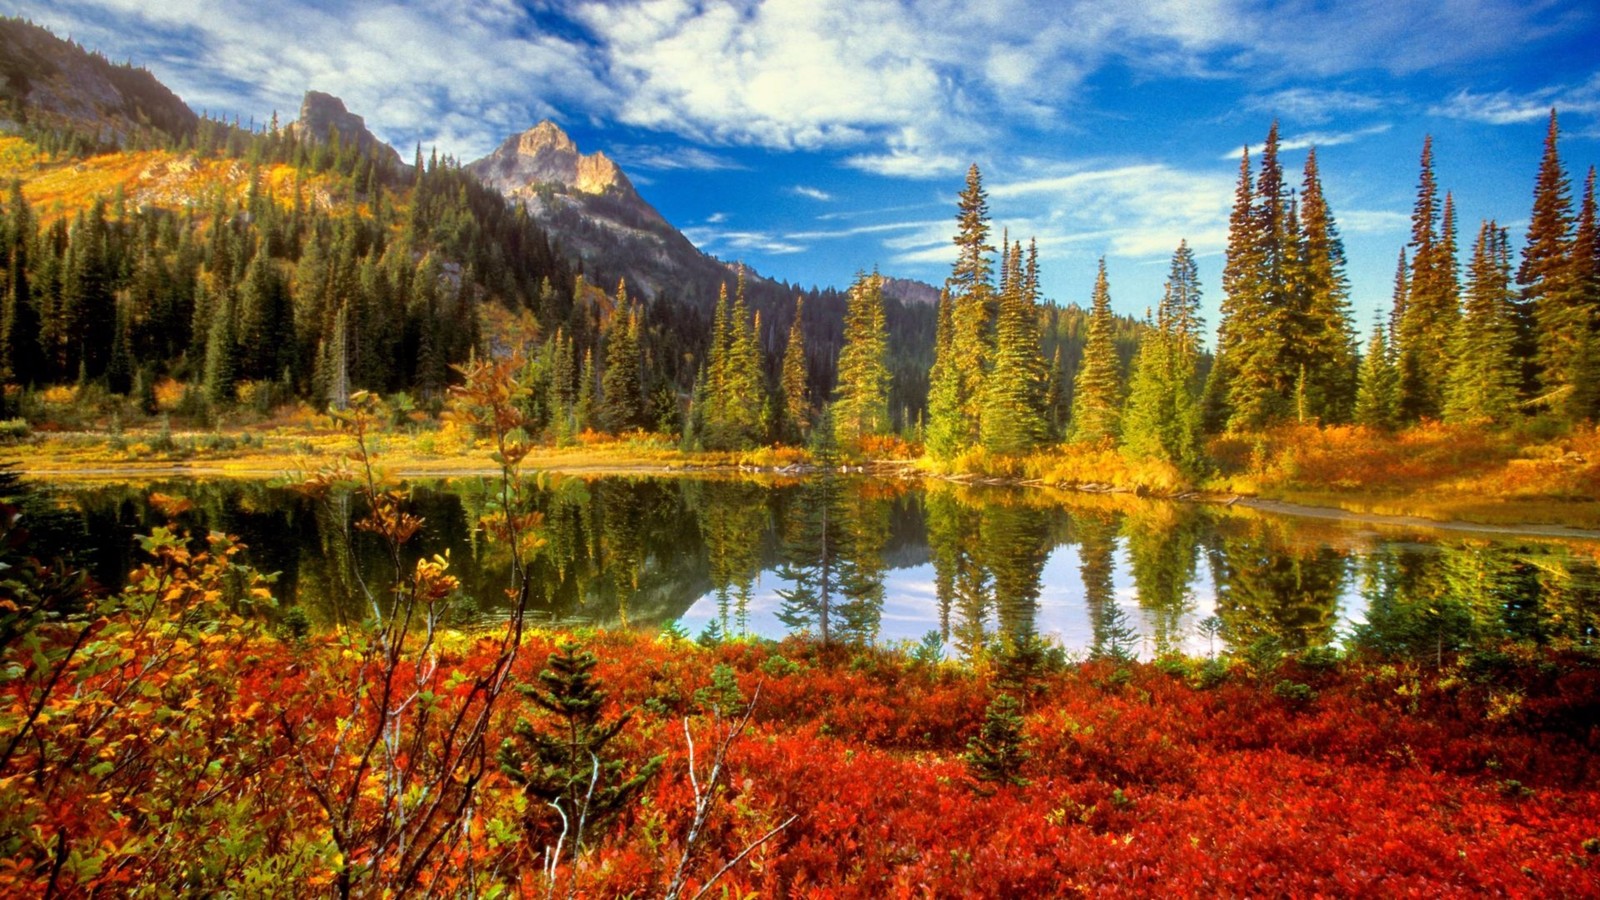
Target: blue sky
point(815, 138)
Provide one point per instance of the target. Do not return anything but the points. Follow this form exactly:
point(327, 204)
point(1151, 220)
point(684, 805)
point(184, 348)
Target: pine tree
point(971, 295)
point(562, 760)
point(995, 756)
point(622, 403)
point(1326, 346)
point(945, 435)
point(1585, 402)
point(1012, 420)
point(861, 397)
point(1162, 416)
point(1484, 375)
point(1097, 391)
point(795, 379)
point(736, 407)
point(1551, 292)
point(1432, 302)
point(583, 406)
point(1378, 389)
point(221, 367)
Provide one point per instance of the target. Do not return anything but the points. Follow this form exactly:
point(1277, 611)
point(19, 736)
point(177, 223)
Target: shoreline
point(62, 468)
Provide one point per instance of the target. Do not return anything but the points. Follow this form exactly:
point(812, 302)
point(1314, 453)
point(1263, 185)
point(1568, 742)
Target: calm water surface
point(885, 562)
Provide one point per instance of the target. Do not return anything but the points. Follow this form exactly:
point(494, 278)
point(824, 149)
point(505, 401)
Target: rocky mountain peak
point(546, 155)
point(320, 112)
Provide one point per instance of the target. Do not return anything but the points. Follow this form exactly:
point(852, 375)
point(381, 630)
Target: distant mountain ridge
point(46, 82)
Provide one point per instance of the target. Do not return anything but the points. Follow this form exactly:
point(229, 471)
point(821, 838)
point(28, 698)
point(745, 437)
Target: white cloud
point(1374, 221)
point(903, 89)
point(1509, 108)
point(672, 158)
point(1315, 106)
point(718, 241)
point(1314, 139)
point(811, 193)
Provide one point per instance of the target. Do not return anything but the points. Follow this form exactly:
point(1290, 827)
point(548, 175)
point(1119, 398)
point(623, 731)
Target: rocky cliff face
point(544, 159)
point(589, 204)
point(321, 113)
point(50, 83)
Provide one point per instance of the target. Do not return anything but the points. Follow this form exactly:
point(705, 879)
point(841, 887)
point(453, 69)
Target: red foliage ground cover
point(1377, 779)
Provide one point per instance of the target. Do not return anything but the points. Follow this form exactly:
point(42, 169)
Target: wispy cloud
point(1315, 139)
point(1373, 221)
point(721, 242)
point(1512, 108)
point(660, 158)
point(1314, 106)
point(879, 80)
point(811, 193)
point(1137, 211)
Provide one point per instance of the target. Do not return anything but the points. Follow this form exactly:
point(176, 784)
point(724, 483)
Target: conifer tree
point(946, 431)
point(1585, 402)
point(562, 760)
point(1483, 375)
point(1551, 291)
point(795, 379)
point(21, 356)
point(221, 355)
point(1327, 345)
point(861, 398)
point(622, 403)
point(1378, 390)
point(735, 406)
point(1097, 391)
point(1012, 420)
point(971, 296)
point(583, 406)
point(1162, 417)
point(1432, 302)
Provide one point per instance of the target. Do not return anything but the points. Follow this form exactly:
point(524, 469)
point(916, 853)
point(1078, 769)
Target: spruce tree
point(1378, 388)
point(1097, 391)
point(1552, 294)
point(622, 403)
point(1162, 417)
point(1327, 345)
point(562, 759)
point(1432, 302)
point(971, 296)
point(861, 397)
point(795, 379)
point(1483, 375)
point(221, 368)
point(1585, 402)
point(946, 434)
point(1012, 420)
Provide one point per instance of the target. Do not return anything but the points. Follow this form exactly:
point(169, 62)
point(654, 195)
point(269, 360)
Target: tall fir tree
point(1097, 391)
point(1326, 346)
point(945, 435)
point(1432, 303)
point(1552, 295)
point(1484, 375)
point(971, 296)
point(795, 379)
point(1585, 402)
point(1162, 417)
point(1012, 419)
point(622, 401)
point(861, 396)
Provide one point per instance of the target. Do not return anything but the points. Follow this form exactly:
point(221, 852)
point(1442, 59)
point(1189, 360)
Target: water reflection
point(847, 560)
